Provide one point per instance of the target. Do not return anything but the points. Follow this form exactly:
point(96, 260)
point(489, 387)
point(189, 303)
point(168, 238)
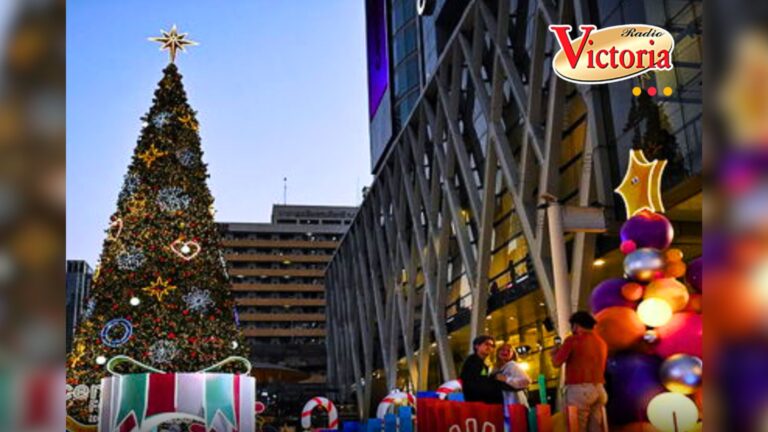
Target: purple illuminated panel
point(378, 57)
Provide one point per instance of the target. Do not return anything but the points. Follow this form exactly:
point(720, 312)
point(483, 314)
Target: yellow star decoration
point(137, 206)
point(151, 155)
point(173, 41)
point(159, 288)
point(189, 122)
point(641, 187)
point(96, 274)
point(77, 354)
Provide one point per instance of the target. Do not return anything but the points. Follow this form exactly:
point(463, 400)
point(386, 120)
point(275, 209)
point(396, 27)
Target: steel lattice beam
point(439, 183)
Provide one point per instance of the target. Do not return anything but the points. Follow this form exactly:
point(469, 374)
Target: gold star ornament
point(173, 41)
point(137, 206)
point(77, 354)
point(151, 155)
point(641, 187)
point(159, 288)
point(189, 122)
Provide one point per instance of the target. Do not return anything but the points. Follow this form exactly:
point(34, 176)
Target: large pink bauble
point(682, 335)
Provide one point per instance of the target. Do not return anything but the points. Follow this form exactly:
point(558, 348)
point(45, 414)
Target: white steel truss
point(438, 184)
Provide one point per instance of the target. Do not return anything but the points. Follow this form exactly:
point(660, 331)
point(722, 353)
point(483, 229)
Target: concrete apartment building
point(277, 274)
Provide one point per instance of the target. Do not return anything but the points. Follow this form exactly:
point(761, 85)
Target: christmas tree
point(160, 299)
point(651, 133)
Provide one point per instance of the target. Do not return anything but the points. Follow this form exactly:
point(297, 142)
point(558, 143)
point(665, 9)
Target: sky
point(279, 87)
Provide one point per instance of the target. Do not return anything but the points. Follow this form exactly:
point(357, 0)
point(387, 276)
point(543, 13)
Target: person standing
point(477, 383)
point(514, 375)
point(584, 355)
point(508, 368)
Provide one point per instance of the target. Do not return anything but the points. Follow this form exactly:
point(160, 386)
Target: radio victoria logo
point(611, 54)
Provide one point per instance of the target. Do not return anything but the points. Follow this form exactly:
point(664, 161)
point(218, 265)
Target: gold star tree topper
point(173, 41)
point(641, 187)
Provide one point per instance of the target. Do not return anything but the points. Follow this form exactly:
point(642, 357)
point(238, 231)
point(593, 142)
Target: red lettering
point(663, 61)
point(613, 52)
point(627, 59)
point(601, 64)
point(640, 54)
point(561, 33)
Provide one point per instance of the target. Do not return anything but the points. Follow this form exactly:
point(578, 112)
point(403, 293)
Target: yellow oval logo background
point(605, 39)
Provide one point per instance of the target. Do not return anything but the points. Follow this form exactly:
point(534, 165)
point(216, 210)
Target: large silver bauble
point(681, 373)
point(643, 264)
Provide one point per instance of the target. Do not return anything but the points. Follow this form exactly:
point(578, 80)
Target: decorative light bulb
point(185, 249)
point(100, 360)
point(654, 312)
point(235, 344)
point(135, 301)
point(673, 411)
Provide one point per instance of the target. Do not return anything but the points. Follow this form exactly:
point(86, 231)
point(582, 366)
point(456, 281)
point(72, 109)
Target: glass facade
point(78, 287)
point(665, 127)
point(405, 59)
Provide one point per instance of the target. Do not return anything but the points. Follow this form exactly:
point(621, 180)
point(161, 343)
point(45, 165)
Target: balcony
point(279, 302)
point(245, 287)
point(276, 272)
point(277, 258)
point(284, 332)
point(307, 244)
point(281, 317)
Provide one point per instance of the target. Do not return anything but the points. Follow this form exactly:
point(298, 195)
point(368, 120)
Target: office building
point(277, 274)
point(79, 278)
point(453, 238)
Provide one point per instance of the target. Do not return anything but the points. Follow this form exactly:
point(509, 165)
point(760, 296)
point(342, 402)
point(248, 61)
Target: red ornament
point(185, 312)
point(171, 335)
point(627, 247)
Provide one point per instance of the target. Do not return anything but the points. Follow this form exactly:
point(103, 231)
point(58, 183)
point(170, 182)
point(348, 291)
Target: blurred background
point(32, 221)
point(736, 216)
